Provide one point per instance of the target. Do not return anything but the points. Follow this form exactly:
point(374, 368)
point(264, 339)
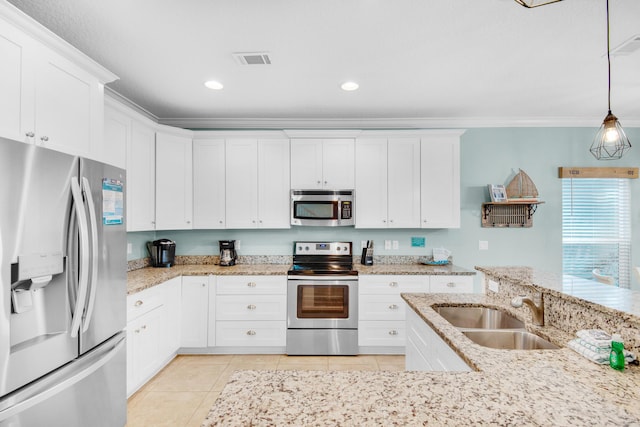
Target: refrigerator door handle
point(93, 281)
point(83, 232)
point(66, 377)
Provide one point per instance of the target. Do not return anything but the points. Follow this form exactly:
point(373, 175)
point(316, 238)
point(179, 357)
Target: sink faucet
point(537, 310)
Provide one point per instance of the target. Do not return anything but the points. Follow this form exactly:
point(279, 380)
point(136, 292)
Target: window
point(596, 228)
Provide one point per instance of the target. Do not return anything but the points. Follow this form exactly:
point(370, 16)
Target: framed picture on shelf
point(497, 193)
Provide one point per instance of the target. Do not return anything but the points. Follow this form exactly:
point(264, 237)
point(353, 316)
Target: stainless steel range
point(322, 300)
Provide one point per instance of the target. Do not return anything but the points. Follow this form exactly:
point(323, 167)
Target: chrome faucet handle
point(518, 301)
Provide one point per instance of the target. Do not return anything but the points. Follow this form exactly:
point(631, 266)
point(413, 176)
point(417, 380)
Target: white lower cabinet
point(152, 335)
point(251, 311)
point(426, 351)
point(195, 311)
point(382, 312)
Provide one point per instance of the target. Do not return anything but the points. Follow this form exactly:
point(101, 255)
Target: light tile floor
point(184, 391)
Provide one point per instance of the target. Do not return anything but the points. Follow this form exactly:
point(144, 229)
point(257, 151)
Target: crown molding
point(110, 93)
point(292, 124)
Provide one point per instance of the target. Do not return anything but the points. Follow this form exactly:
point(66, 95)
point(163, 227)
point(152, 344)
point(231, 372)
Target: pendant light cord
point(608, 62)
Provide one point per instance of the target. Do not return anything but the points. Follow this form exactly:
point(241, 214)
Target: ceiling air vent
point(253, 58)
point(628, 47)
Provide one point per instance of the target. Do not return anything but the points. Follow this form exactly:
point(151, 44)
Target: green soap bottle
point(616, 357)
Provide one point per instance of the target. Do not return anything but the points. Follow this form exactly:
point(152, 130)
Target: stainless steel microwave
point(324, 208)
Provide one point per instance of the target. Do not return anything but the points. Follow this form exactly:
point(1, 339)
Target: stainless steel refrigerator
point(63, 289)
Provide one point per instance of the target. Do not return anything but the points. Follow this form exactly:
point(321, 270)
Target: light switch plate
point(129, 248)
point(395, 244)
point(387, 244)
point(483, 245)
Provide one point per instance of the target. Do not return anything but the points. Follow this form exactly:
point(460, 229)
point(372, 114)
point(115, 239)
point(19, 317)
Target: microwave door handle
point(93, 282)
point(83, 234)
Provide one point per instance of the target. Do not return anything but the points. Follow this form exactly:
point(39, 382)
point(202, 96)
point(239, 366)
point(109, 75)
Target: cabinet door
point(211, 333)
point(69, 107)
point(195, 311)
point(306, 164)
point(209, 184)
point(404, 182)
point(117, 136)
point(338, 164)
point(174, 182)
point(273, 184)
point(141, 178)
point(172, 295)
point(371, 183)
point(241, 186)
point(16, 84)
point(440, 181)
point(143, 336)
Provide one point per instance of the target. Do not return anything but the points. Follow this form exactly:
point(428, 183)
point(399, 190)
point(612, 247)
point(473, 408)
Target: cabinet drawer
point(251, 307)
point(382, 333)
point(392, 284)
point(382, 307)
point(251, 333)
point(143, 302)
point(256, 285)
point(451, 284)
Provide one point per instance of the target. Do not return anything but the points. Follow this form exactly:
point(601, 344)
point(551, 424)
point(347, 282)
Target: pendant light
point(535, 3)
point(610, 142)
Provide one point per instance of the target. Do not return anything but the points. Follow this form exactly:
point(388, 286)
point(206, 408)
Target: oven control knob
point(306, 248)
point(345, 248)
point(338, 248)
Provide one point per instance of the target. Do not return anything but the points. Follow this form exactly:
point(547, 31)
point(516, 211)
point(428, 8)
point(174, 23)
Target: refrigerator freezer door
point(35, 205)
point(87, 392)
point(105, 309)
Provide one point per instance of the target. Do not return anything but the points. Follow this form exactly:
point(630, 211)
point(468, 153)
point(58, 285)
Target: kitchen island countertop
point(507, 387)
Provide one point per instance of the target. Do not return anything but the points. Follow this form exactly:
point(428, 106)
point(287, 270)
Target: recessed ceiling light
point(349, 86)
point(212, 84)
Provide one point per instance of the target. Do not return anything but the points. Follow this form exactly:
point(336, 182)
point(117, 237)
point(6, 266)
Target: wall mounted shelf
point(509, 214)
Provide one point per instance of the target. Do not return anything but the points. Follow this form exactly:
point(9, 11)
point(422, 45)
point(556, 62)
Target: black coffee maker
point(228, 255)
point(162, 252)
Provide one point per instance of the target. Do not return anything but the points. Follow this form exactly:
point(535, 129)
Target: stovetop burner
point(322, 258)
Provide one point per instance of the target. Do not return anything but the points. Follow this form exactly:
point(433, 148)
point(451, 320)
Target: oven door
point(327, 303)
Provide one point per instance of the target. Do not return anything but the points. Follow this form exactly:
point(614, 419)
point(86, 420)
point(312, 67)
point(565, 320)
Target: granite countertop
point(143, 278)
point(507, 387)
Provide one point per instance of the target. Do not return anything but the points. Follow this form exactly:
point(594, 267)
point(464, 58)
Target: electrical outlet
point(237, 245)
point(395, 244)
point(494, 286)
point(363, 243)
point(387, 244)
point(129, 248)
point(483, 245)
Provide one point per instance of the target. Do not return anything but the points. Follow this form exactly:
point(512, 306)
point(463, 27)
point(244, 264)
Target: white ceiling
point(467, 62)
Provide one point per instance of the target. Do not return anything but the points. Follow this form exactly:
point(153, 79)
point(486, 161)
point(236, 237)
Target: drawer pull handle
point(393, 284)
point(451, 285)
point(393, 307)
point(251, 284)
point(251, 332)
point(143, 327)
point(137, 331)
point(251, 307)
point(30, 134)
point(393, 332)
point(138, 303)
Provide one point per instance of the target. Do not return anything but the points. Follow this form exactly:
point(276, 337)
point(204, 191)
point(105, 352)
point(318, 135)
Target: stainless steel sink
point(478, 317)
point(511, 340)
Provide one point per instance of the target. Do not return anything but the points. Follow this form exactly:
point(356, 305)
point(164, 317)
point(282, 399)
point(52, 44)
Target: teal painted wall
point(488, 156)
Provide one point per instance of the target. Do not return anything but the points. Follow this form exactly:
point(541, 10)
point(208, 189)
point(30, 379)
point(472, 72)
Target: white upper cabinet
point(257, 183)
point(273, 183)
point(440, 180)
point(141, 178)
point(117, 136)
point(322, 163)
point(174, 182)
point(15, 105)
point(209, 183)
point(388, 183)
point(48, 99)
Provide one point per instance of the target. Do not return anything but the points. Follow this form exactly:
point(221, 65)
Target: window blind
point(596, 228)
